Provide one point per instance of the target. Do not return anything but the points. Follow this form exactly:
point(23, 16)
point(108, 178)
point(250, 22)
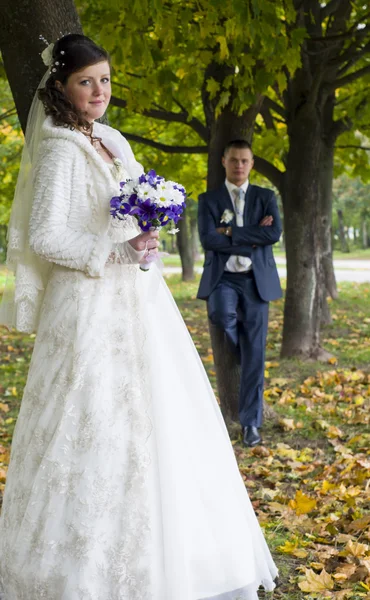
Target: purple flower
point(115, 202)
point(148, 212)
point(145, 211)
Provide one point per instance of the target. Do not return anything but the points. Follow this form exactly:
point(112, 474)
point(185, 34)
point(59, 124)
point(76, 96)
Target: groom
point(238, 224)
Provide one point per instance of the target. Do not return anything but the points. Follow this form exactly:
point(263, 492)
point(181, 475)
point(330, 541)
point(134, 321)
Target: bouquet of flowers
point(152, 200)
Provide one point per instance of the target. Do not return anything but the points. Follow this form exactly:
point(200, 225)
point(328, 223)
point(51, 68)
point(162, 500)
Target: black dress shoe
point(251, 436)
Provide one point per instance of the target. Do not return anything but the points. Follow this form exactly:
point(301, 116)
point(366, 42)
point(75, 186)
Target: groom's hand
point(267, 221)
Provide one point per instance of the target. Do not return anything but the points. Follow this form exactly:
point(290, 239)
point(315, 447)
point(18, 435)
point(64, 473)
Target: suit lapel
point(225, 202)
point(249, 202)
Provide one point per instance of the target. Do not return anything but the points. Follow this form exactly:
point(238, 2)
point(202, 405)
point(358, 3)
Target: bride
point(122, 483)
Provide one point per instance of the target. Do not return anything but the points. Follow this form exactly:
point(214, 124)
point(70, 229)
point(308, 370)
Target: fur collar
point(109, 138)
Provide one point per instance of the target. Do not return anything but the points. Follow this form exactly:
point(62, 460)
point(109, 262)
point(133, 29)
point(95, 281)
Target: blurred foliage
point(11, 140)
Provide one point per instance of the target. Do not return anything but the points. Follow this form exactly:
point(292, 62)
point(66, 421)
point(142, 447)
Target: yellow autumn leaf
point(327, 486)
point(280, 381)
point(288, 547)
point(365, 586)
point(4, 407)
point(208, 358)
point(334, 432)
point(292, 547)
point(302, 504)
point(287, 424)
point(360, 524)
point(180, 73)
point(355, 549)
point(316, 582)
point(365, 562)
point(299, 553)
point(317, 565)
point(344, 572)
point(342, 594)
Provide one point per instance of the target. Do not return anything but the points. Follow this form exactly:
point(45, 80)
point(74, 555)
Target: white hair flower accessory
point(47, 55)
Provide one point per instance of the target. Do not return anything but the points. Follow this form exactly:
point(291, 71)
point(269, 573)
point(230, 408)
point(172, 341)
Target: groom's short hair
point(241, 144)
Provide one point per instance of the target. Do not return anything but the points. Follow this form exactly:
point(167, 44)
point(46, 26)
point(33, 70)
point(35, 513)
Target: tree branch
point(268, 170)
point(165, 147)
point(267, 117)
point(350, 58)
point(329, 9)
point(170, 117)
point(272, 105)
point(349, 78)
point(366, 148)
point(8, 113)
point(351, 96)
point(347, 35)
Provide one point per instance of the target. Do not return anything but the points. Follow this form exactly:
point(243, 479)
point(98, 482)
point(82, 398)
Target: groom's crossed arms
point(242, 238)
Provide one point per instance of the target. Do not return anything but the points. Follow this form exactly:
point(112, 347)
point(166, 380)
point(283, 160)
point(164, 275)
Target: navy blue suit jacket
point(259, 202)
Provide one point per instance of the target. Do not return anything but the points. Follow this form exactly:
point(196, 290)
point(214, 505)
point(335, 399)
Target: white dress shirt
point(237, 264)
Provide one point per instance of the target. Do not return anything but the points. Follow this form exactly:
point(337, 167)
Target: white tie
point(239, 206)
point(241, 262)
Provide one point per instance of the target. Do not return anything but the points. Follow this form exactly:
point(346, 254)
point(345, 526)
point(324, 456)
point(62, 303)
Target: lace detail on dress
point(76, 491)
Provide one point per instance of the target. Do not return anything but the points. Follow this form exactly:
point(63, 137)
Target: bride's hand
point(148, 240)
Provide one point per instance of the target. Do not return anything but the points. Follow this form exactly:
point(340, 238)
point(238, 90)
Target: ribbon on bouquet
point(156, 260)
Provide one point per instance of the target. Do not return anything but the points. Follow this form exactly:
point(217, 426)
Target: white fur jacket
point(70, 221)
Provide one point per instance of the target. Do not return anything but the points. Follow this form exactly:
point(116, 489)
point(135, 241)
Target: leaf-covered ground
point(310, 481)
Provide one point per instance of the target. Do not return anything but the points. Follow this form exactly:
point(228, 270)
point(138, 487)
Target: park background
point(293, 77)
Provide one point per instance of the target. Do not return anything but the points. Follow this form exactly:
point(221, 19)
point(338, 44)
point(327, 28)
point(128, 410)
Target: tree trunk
point(195, 243)
point(185, 249)
point(303, 223)
point(342, 234)
point(227, 372)
point(22, 22)
point(326, 211)
point(227, 127)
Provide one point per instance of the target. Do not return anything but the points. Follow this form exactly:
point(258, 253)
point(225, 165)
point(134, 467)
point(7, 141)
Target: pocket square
point(227, 216)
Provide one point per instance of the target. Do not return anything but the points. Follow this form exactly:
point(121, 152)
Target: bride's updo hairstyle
point(71, 53)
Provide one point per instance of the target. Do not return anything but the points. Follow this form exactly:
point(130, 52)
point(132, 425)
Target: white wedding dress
point(123, 483)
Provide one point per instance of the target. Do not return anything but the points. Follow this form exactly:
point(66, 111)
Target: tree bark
point(227, 127)
point(301, 199)
point(326, 211)
point(184, 245)
point(21, 24)
point(227, 374)
point(195, 243)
